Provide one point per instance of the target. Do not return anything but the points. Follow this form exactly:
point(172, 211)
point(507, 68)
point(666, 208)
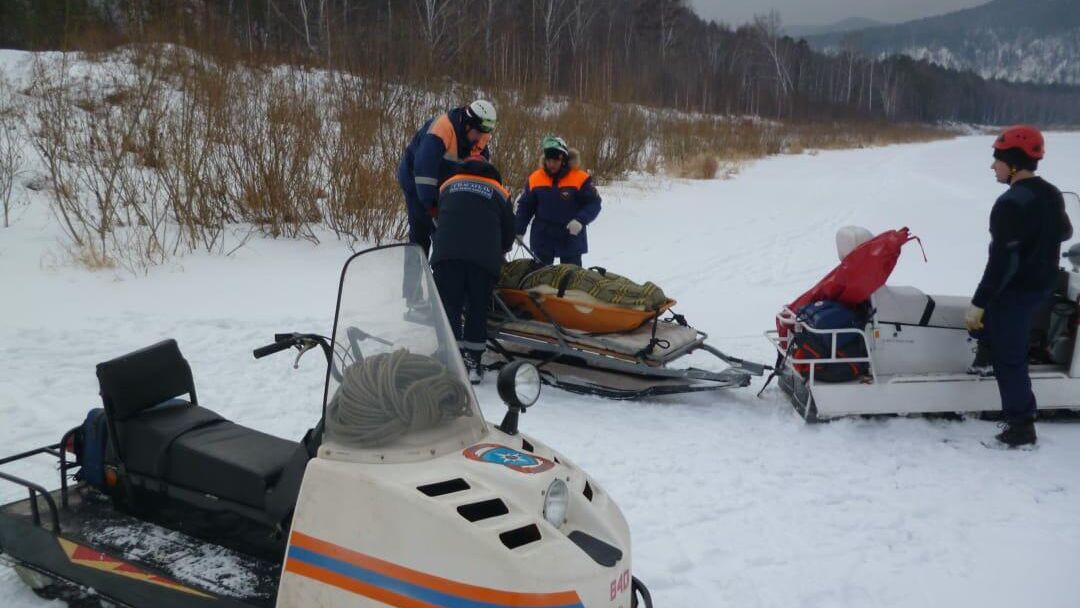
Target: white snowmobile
point(913, 353)
point(402, 495)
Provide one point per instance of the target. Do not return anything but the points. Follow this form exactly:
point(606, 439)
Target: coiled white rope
point(388, 395)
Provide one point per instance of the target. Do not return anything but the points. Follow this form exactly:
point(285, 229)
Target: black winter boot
point(1017, 434)
point(474, 365)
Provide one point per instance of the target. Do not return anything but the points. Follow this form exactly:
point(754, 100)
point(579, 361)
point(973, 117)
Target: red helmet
point(1026, 138)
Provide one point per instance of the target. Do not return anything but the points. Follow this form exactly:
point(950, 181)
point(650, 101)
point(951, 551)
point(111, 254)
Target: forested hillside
point(1018, 40)
point(656, 52)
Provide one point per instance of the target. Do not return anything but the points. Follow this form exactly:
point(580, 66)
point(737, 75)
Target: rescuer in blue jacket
point(1027, 226)
point(476, 227)
point(433, 155)
point(560, 201)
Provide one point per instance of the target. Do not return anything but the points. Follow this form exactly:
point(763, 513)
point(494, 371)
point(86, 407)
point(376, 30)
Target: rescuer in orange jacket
point(560, 201)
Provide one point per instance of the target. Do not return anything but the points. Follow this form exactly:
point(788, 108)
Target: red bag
point(860, 274)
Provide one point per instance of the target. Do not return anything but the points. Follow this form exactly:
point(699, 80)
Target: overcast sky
point(820, 12)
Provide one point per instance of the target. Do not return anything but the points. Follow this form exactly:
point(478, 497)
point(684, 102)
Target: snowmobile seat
point(157, 435)
point(900, 305)
point(145, 440)
point(229, 461)
point(140, 393)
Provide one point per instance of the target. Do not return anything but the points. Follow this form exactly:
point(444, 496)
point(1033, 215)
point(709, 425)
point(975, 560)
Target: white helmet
point(850, 237)
point(481, 115)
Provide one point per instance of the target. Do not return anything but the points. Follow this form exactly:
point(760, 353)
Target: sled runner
point(907, 352)
point(619, 352)
point(400, 495)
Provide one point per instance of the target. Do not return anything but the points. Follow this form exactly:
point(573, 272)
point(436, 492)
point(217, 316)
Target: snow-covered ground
point(732, 499)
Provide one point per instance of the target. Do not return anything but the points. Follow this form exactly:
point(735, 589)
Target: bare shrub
point(515, 146)
point(155, 151)
point(91, 135)
point(267, 164)
point(610, 138)
point(56, 122)
point(359, 153)
point(11, 151)
point(191, 183)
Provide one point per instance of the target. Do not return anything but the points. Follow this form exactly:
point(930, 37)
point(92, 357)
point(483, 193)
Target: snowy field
point(732, 499)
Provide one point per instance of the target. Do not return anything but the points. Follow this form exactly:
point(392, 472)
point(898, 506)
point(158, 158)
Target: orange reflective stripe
point(476, 178)
point(574, 179)
point(468, 594)
point(539, 179)
point(444, 130)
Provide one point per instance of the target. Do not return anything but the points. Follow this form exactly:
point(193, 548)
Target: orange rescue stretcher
point(591, 317)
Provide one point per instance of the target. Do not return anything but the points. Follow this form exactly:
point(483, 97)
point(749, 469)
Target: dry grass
point(170, 149)
point(687, 144)
point(699, 166)
point(610, 138)
point(89, 257)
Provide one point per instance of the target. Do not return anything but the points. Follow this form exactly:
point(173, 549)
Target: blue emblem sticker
point(510, 458)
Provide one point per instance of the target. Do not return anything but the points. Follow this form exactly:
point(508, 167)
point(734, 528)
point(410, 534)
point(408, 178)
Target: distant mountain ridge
point(845, 25)
point(1018, 40)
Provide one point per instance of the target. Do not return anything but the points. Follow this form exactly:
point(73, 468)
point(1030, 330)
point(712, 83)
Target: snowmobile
point(594, 348)
point(911, 353)
point(400, 495)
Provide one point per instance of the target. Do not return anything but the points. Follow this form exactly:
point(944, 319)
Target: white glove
point(574, 227)
point(973, 318)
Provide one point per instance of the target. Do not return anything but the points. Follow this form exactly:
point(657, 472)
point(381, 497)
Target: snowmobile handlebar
point(304, 342)
point(270, 349)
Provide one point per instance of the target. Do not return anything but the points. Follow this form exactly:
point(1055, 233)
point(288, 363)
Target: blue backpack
point(828, 314)
point(90, 446)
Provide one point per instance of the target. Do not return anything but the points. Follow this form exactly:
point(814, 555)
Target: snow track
point(733, 500)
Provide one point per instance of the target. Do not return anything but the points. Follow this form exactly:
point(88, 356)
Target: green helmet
point(554, 142)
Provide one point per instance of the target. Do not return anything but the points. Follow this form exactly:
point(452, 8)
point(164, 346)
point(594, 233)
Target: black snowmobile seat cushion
point(145, 439)
point(229, 461)
point(143, 379)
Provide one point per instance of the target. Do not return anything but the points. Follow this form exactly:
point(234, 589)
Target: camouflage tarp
point(606, 287)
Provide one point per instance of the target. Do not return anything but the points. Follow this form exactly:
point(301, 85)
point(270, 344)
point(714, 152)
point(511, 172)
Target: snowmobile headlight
point(556, 500)
point(519, 384)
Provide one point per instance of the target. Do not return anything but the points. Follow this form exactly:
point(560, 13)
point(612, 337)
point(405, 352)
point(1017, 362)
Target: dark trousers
point(548, 258)
point(464, 286)
point(1007, 328)
point(421, 227)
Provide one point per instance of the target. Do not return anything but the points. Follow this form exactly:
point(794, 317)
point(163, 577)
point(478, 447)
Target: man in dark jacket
point(560, 201)
point(1027, 226)
point(432, 156)
point(476, 228)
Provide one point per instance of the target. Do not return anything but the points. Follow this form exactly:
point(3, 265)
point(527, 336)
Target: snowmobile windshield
point(397, 390)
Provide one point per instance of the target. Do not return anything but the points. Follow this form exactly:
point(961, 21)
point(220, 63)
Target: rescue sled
point(916, 352)
point(401, 495)
point(600, 349)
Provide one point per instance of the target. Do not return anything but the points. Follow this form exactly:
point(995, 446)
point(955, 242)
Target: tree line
point(654, 52)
